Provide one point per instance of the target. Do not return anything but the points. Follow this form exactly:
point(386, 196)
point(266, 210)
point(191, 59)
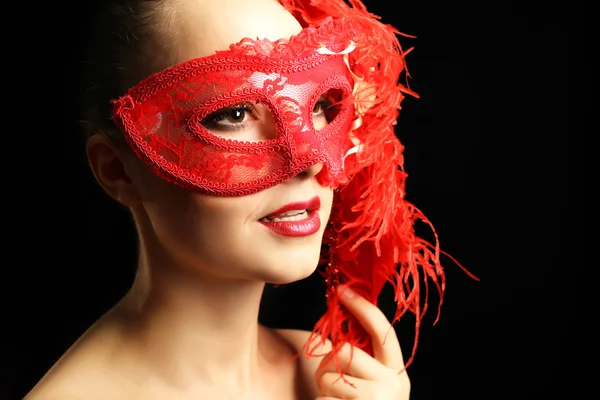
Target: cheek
point(173, 218)
point(197, 226)
point(327, 202)
point(216, 227)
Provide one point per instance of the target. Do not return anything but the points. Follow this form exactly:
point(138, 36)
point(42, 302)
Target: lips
point(295, 219)
point(295, 208)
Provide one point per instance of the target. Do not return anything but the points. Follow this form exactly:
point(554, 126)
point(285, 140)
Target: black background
point(494, 153)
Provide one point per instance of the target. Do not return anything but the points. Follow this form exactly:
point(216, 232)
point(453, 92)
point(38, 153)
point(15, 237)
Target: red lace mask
point(243, 120)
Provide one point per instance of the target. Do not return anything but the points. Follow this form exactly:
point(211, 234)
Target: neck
point(196, 328)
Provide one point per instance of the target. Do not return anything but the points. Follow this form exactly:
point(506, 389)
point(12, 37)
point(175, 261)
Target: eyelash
point(212, 120)
point(325, 104)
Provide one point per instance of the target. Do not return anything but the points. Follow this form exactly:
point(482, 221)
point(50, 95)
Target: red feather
point(371, 239)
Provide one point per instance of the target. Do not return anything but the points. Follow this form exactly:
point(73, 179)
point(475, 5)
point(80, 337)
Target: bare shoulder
point(85, 372)
point(75, 379)
point(298, 339)
point(66, 381)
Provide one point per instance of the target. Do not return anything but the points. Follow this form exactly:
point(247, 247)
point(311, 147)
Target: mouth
point(287, 217)
point(295, 219)
point(296, 211)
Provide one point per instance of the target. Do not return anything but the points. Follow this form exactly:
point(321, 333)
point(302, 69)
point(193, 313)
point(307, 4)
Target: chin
point(292, 268)
point(281, 260)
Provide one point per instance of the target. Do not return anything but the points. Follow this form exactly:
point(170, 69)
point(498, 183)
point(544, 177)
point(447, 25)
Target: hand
point(382, 377)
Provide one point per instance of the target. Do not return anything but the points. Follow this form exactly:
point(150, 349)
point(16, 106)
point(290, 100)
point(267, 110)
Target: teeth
point(296, 217)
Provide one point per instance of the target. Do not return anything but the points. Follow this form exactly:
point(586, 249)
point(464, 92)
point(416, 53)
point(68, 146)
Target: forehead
point(198, 28)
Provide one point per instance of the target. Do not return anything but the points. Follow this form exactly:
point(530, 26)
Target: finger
point(386, 347)
point(352, 361)
point(339, 386)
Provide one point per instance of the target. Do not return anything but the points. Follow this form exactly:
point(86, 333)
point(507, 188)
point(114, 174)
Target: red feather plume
point(371, 238)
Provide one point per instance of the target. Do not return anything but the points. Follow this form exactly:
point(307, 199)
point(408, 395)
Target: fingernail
point(348, 293)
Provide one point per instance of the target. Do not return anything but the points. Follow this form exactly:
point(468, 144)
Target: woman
point(244, 137)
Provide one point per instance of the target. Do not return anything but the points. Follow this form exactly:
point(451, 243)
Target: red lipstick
point(295, 219)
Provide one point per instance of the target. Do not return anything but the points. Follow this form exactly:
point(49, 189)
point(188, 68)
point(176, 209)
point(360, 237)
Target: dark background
point(495, 156)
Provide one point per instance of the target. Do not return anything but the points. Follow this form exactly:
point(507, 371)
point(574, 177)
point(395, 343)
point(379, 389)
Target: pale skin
point(188, 328)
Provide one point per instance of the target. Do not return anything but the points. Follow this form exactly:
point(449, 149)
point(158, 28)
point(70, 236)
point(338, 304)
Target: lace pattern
point(163, 116)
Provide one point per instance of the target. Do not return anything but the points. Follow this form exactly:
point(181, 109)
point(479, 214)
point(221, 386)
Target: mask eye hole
point(249, 120)
point(327, 108)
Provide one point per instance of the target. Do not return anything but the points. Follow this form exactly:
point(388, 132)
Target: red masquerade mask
point(247, 118)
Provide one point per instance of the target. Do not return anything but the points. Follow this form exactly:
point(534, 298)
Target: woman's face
point(228, 236)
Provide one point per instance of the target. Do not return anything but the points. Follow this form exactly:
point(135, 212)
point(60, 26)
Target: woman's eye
point(319, 113)
point(234, 116)
point(321, 105)
point(327, 108)
point(229, 118)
